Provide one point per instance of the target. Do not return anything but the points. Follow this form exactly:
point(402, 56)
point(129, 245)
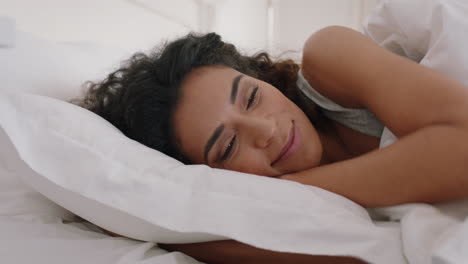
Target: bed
point(36, 229)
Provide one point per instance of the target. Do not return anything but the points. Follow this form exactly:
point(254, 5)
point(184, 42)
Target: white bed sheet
point(33, 229)
point(25, 240)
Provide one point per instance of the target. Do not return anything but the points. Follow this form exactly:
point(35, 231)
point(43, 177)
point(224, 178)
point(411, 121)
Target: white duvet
point(433, 33)
point(34, 230)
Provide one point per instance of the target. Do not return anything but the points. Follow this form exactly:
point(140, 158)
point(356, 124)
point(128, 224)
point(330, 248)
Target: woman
point(200, 101)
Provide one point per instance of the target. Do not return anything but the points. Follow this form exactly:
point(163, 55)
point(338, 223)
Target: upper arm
point(345, 65)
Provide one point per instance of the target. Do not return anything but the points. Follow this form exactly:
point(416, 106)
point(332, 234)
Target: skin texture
point(261, 128)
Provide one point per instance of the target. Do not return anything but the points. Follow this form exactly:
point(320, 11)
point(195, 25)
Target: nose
point(260, 130)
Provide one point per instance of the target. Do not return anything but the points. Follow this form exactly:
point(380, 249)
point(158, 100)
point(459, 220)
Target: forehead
point(203, 105)
point(208, 79)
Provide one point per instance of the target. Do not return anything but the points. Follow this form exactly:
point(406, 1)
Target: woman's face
point(229, 120)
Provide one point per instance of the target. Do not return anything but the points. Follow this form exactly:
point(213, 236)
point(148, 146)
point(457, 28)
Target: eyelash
point(252, 97)
point(230, 146)
point(228, 149)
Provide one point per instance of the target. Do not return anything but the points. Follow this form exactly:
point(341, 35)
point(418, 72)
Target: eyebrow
point(235, 87)
point(217, 133)
point(212, 140)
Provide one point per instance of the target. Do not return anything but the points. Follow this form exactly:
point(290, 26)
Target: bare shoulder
point(348, 67)
point(332, 38)
point(333, 31)
point(325, 54)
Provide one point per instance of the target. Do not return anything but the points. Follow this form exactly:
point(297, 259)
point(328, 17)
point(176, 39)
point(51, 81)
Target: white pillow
point(18, 199)
point(32, 64)
point(29, 63)
point(44, 67)
point(85, 164)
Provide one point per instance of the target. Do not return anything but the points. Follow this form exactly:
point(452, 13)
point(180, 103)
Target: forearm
point(429, 165)
point(231, 251)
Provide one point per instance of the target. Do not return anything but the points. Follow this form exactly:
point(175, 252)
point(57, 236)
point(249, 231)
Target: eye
point(229, 148)
point(252, 97)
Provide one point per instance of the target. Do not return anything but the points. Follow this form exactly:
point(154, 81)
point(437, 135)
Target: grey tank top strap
point(361, 120)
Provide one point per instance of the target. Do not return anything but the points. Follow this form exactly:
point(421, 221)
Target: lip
point(290, 146)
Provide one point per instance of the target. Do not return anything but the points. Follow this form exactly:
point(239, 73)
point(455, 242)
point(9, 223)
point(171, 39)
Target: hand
point(289, 177)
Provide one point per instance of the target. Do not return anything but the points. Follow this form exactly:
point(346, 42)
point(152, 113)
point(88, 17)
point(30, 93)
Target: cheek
point(253, 163)
point(312, 149)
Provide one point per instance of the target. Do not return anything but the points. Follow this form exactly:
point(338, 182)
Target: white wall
point(183, 12)
point(135, 25)
point(243, 23)
point(119, 23)
point(296, 20)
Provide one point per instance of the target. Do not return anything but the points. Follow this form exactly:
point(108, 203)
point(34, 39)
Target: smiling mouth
point(287, 146)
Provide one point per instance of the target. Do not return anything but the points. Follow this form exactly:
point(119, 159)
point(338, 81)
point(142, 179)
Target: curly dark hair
point(141, 96)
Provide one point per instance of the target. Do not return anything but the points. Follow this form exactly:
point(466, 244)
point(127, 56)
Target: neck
point(333, 148)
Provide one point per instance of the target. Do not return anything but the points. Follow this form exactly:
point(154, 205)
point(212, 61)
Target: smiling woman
point(250, 107)
point(248, 125)
point(199, 100)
